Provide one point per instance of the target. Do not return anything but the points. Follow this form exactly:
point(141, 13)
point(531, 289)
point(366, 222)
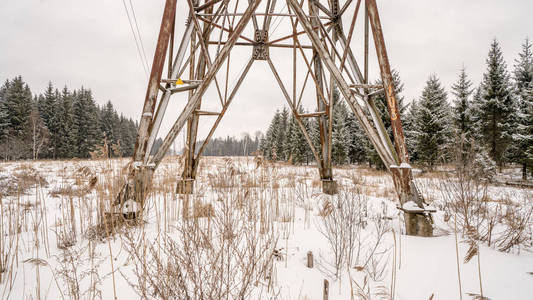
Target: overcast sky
point(89, 43)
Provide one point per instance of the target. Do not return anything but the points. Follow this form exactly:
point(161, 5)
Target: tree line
point(60, 124)
point(231, 146)
point(491, 123)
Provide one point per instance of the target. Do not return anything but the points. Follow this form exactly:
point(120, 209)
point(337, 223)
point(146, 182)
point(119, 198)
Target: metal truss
point(317, 37)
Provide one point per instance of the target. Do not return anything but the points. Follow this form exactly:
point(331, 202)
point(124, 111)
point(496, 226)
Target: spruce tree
point(462, 90)
point(110, 125)
point(527, 130)
point(288, 142)
point(432, 123)
point(523, 79)
point(298, 149)
point(461, 115)
point(497, 119)
point(314, 134)
point(85, 123)
point(339, 139)
point(410, 129)
point(358, 143)
point(18, 105)
point(4, 122)
point(268, 146)
point(281, 138)
point(49, 111)
point(127, 141)
point(66, 128)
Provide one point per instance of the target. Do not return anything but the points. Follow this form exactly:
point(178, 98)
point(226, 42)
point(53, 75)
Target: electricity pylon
point(316, 36)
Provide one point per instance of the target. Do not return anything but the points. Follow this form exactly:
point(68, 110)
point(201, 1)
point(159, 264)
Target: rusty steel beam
point(155, 78)
point(213, 69)
point(207, 4)
point(326, 171)
point(342, 84)
point(416, 224)
point(192, 123)
point(386, 77)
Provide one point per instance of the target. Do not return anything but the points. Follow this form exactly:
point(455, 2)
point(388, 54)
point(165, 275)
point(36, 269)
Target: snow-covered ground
point(52, 248)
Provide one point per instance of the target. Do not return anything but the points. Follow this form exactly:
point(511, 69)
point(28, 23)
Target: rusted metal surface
point(416, 224)
point(154, 80)
point(326, 171)
point(260, 50)
point(386, 76)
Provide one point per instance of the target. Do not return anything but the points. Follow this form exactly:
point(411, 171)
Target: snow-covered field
point(246, 233)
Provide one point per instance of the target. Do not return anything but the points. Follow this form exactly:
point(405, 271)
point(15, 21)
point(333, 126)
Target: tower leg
point(185, 186)
point(329, 186)
point(131, 198)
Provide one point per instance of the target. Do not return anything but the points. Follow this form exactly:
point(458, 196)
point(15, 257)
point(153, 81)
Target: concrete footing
point(329, 187)
point(185, 186)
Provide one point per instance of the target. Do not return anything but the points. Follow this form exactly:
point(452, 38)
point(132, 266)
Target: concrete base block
point(329, 187)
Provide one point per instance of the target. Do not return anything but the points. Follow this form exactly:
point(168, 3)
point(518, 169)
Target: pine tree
point(339, 138)
point(110, 125)
point(127, 134)
point(314, 135)
point(410, 129)
point(497, 119)
point(461, 116)
point(462, 90)
point(281, 138)
point(49, 111)
point(4, 122)
point(18, 105)
point(85, 122)
point(66, 130)
point(432, 123)
point(298, 149)
point(523, 79)
point(288, 142)
point(358, 143)
point(268, 145)
point(527, 131)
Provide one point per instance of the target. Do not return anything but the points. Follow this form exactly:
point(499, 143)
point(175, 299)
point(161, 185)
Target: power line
point(139, 35)
point(144, 66)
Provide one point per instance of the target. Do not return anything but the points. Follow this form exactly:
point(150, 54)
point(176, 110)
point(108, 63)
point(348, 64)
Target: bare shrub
point(502, 224)
point(219, 258)
point(465, 194)
point(21, 181)
point(341, 225)
point(517, 228)
point(77, 270)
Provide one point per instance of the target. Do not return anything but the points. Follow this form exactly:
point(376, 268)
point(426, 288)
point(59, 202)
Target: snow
point(411, 206)
point(405, 165)
point(424, 266)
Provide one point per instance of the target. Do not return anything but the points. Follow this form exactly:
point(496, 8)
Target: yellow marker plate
point(179, 81)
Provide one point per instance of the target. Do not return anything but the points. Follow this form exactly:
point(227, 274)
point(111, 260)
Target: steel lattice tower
point(317, 37)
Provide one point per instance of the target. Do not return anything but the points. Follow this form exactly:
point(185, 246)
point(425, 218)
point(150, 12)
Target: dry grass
point(242, 212)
